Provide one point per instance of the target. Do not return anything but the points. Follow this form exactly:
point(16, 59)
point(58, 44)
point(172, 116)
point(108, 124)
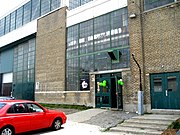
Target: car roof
point(16, 101)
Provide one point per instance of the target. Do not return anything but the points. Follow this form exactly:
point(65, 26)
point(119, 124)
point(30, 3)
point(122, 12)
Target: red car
point(17, 116)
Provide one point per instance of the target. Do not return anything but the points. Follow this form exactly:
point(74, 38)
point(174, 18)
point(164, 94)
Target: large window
point(76, 3)
point(26, 13)
point(88, 44)
point(150, 4)
point(23, 70)
point(24, 61)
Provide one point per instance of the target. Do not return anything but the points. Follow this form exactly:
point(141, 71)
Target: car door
point(39, 119)
point(18, 116)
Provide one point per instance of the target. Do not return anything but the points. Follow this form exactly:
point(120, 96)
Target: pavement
point(105, 122)
point(111, 122)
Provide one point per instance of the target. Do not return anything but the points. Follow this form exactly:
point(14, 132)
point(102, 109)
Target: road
point(73, 128)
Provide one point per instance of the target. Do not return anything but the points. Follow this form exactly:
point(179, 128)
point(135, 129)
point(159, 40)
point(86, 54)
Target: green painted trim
point(99, 52)
point(78, 58)
point(93, 47)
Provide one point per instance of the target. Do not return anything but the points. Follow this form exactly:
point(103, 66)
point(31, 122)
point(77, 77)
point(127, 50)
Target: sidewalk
point(123, 123)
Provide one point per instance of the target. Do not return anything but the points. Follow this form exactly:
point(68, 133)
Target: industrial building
point(80, 52)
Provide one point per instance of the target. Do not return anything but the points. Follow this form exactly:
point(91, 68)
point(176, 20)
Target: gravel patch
point(110, 118)
point(105, 120)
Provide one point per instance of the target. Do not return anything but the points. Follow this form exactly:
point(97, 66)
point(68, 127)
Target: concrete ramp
point(84, 115)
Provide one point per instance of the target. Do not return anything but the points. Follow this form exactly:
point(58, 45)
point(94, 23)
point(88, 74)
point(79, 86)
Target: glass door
point(103, 92)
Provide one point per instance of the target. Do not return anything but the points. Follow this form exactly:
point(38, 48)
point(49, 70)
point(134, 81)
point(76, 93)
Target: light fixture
point(133, 15)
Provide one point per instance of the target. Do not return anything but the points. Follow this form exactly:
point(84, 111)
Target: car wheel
point(7, 131)
point(56, 124)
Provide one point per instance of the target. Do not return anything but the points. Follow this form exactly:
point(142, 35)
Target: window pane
point(102, 62)
point(35, 9)
point(27, 13)
point(105, 100)
point(102, 32)
point(2, 105)
point(86, 37)
point(74, 3)
point(7, 24)
point(13, 21)
point(2, 24)
point(72, 74)
point(157, 84)
point(85, 1)
point(45, 6)
point(150, 4)
point(55, 4)
point(119, 28)
point(19, 17)
point(72, 41)
point(172, 86)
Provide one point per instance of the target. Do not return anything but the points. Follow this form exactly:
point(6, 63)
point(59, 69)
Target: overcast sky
point(8, 5)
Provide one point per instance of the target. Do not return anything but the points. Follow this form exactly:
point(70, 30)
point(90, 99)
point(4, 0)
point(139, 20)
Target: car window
point(18, 108)
point(34, 108)
point(2, 105)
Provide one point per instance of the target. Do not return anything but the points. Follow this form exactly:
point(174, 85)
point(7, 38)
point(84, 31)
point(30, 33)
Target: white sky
point(8, 5)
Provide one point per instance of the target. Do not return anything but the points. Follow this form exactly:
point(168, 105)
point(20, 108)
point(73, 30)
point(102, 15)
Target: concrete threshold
point(165, 111)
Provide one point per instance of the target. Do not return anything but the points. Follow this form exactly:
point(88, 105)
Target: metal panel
point(6, 61)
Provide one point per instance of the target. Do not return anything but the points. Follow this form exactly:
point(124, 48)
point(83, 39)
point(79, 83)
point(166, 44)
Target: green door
point(165, 90)
point(23, 91)
point(103, 92)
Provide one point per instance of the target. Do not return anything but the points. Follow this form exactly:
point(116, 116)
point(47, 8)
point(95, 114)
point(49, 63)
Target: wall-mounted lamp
point(132, 15)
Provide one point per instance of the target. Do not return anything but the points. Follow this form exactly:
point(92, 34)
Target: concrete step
point(166, 111)
point(144, 126)
point(120, 133)
point(150, 121)
point(130, 130)
point(153, 124)
point(158, 117)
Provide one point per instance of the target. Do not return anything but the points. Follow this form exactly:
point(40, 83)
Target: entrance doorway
point(6, 86)
point(108, 93)
point(165, 90)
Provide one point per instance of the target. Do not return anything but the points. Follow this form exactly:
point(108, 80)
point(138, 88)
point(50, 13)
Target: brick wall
point(50, 52)
point(156, 44)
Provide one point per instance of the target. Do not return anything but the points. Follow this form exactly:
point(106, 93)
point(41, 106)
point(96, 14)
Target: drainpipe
point(140, 92)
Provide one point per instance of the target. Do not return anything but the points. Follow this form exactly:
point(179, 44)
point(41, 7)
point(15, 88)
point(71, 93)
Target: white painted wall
point(7, 78)
point(93, 9)
point(19, 33)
